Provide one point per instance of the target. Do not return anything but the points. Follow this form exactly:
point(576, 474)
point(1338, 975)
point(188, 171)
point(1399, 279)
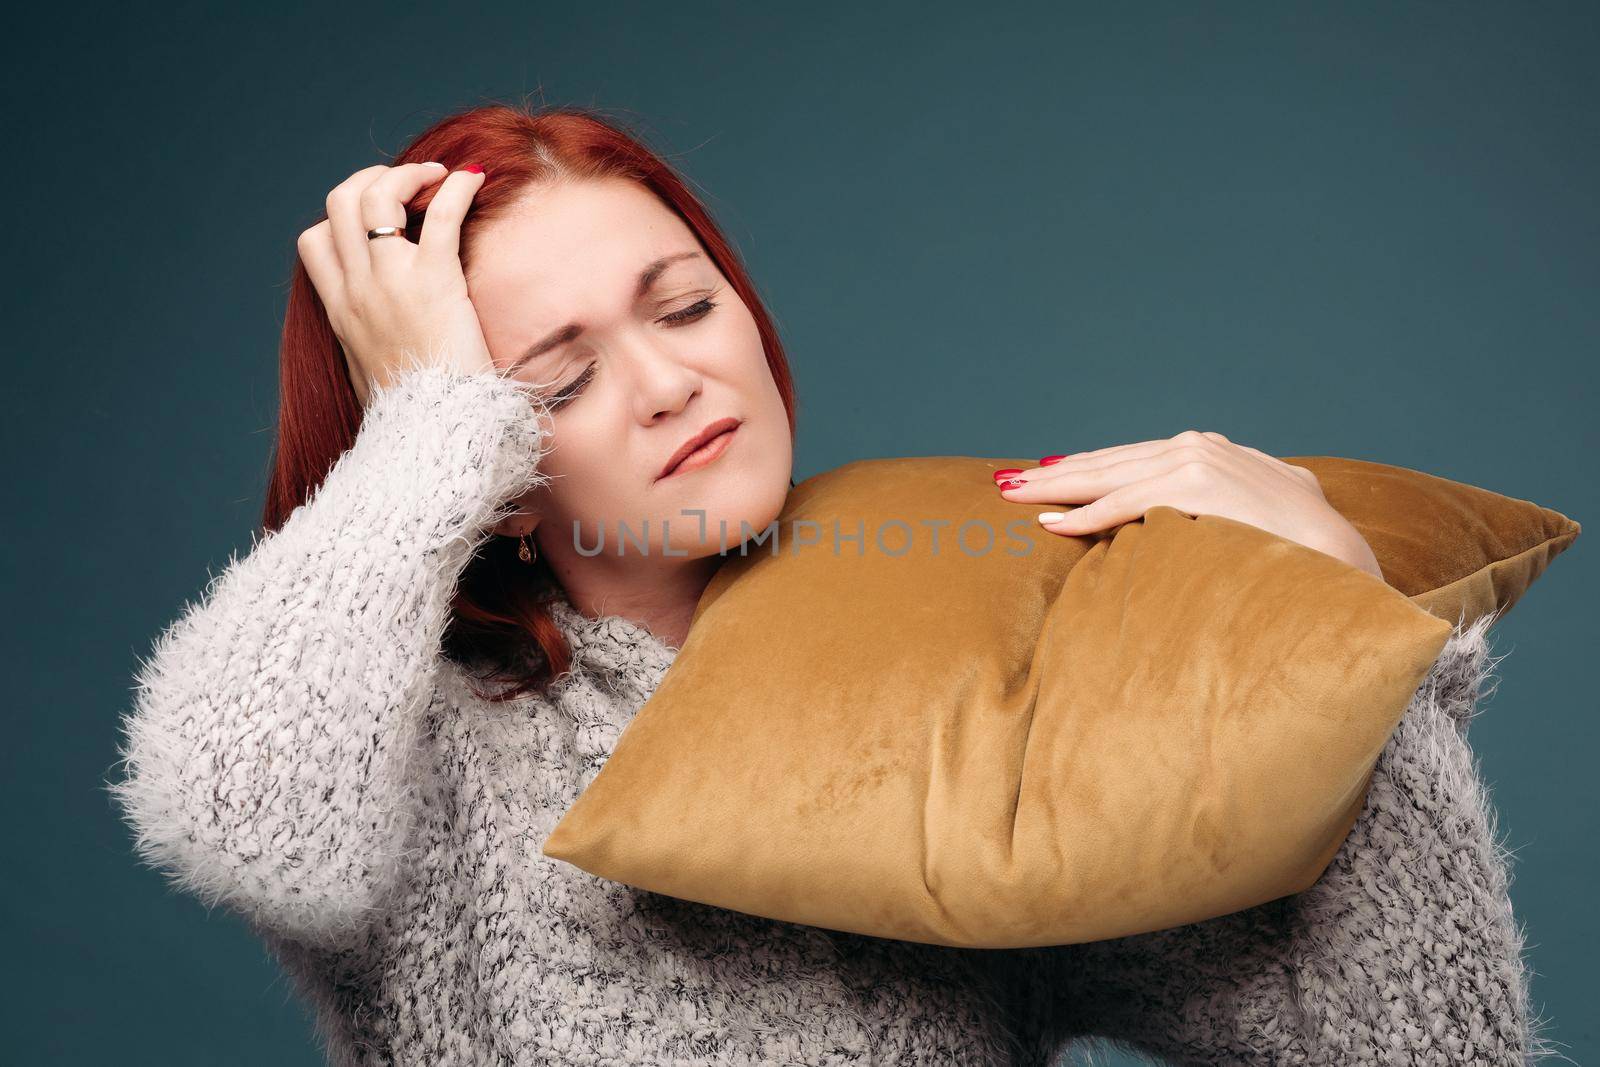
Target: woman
point(567, 348)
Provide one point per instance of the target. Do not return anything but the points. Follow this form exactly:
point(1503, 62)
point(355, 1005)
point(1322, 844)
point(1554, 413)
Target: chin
point(752, 498)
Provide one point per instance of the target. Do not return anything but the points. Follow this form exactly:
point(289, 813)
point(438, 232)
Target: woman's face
point(641, 344)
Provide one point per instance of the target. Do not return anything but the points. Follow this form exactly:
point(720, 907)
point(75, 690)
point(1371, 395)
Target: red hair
point(498, 613)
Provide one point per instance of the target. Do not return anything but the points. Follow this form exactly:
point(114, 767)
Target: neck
point(661, 599)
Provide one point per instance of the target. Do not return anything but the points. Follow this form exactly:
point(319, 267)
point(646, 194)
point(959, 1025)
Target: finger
point(1144, 448)
point(1112, 509)
point(1099, 453)
point(344, 216)
point(1099, 456)
point(1100, 460)
point(384, 200)
point(441, 231)
point(321, 261)
point(1079, 485)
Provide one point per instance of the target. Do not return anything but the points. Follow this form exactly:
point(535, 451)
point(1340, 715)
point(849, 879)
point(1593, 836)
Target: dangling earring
point(522, 551)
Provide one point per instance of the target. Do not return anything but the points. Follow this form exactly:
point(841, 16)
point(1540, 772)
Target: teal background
point(1365, 231)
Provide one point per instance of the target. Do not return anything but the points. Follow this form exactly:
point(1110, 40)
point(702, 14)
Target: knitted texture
point(301, 753)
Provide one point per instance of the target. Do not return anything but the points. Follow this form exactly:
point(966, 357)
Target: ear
point(521, 519)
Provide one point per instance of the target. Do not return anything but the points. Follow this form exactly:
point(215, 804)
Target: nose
point(662, 384)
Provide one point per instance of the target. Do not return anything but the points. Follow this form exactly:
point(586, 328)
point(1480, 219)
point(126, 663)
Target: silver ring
point(386, 231)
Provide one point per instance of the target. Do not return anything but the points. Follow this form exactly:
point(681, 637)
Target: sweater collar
point(612, 645)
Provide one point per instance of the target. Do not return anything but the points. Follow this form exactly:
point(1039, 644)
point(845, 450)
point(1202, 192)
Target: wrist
point(1347, 544)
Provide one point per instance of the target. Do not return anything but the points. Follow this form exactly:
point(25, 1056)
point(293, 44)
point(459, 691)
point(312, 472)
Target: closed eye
point(698, 310)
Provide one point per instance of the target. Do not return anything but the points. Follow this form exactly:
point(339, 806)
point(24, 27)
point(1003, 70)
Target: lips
point(715, 429)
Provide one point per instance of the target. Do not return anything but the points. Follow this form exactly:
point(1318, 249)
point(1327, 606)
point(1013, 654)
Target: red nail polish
point(474, 168)
point(1006, 473)
point(1046, 461)
point(1012, 483)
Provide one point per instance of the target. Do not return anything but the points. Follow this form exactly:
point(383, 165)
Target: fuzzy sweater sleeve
point(267, 754)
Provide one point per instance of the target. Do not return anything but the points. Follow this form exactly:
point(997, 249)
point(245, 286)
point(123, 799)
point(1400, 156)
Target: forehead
point(564, 242)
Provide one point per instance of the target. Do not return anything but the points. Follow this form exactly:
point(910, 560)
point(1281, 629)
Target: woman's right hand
point(391, 303)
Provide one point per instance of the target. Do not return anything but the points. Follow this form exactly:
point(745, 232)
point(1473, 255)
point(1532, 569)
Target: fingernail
point(1052, 516)
point(1008, 472)
point(1046, 461)
point(435, 163)
point(474, 168)
point(1013, 483)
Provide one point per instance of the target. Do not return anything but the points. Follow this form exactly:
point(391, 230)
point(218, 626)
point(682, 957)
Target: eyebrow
point(571, 331)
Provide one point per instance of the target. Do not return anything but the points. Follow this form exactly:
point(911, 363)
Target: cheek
point(582, 470)
point(591, 493)
point(737, 343)
point(747, 367)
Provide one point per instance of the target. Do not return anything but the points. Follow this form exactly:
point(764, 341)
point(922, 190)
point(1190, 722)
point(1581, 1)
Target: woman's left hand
point(1201, 473)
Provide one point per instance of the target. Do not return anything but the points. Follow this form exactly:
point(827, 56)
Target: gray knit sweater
point(301, 752)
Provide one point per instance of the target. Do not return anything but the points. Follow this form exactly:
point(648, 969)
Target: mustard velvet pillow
point(941, 723)
point(1459, 551)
